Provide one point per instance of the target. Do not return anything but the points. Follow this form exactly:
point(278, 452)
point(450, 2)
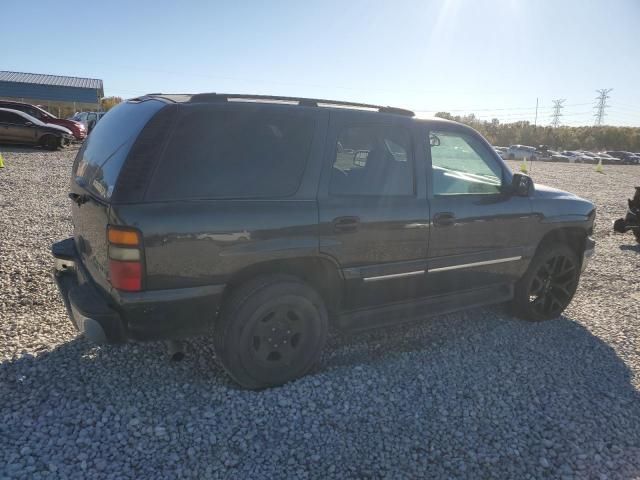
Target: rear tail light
point(125, 258)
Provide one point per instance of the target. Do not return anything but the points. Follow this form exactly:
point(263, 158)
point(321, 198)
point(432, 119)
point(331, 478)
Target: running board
point(425, 307)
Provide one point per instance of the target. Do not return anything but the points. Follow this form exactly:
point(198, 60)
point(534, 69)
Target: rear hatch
point(94, 176)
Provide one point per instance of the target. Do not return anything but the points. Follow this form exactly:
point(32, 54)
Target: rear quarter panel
point(205, 242)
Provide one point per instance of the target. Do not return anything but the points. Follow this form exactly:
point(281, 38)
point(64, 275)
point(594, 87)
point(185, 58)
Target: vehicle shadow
point(632, 247)
point(11, 148)
point(467, 371)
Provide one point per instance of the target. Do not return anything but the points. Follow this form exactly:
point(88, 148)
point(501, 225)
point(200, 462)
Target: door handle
point(444, 219)
point(346, 224)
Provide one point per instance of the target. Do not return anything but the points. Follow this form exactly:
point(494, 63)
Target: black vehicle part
point(270, 331)
point(50, 142)
point(631, 222)
point(549, 284)
point(304, 102)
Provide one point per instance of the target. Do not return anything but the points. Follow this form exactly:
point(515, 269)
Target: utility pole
point(557, 112)
point(601, 104)
point(535, 122)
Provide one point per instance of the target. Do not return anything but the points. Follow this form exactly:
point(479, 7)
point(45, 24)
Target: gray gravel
point(472, 395)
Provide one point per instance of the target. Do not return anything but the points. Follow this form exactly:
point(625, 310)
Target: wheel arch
point(575, 237)
point(45, 137)
point(321, 273)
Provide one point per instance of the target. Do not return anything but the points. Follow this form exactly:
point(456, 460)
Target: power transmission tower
point(557, 111)
point(601, 104)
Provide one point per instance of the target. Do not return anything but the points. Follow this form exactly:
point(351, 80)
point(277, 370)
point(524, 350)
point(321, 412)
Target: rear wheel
point(549, 284)
point(271, 331)
point(50, 142)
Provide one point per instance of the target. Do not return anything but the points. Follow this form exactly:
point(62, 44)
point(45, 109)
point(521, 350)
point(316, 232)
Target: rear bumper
point(114, 317)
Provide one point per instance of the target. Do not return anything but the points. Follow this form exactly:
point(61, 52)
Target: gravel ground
point(477, 394)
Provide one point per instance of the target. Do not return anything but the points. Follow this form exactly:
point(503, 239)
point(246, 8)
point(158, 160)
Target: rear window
point(101, 157)
point(241, 153)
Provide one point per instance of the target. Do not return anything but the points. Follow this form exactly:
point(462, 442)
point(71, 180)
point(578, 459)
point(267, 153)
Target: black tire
point(548, 285)
point(270, 331)
point(50, 142)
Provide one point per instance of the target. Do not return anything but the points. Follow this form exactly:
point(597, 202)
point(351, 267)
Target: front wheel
point(51, 142)
point(549, 284)
point(270, 331)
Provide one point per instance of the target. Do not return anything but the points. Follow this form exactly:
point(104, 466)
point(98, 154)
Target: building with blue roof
point(52, 91)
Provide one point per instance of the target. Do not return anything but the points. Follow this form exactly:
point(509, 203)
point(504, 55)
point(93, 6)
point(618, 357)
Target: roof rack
point(306, 102)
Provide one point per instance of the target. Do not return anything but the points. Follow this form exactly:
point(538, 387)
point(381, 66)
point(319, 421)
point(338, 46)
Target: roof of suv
point(305, 102)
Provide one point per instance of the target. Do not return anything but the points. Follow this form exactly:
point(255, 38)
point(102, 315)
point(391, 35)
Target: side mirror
point(521, 185)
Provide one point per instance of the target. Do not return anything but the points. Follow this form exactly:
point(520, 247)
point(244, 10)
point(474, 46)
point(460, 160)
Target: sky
point(493, 58)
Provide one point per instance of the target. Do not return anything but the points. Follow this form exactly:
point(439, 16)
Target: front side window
point(373, 160)
point(15, 119)
point(461, 165)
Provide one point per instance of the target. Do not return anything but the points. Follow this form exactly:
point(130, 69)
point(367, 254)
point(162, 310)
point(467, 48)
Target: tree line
point(596, 138)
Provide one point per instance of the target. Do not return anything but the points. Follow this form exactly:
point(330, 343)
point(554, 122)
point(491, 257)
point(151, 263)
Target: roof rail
point(306, 102)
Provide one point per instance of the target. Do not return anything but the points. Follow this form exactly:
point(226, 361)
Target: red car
point(77, 129)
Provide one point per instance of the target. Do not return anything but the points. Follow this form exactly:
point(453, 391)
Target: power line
point(472, 109)
point(557, 111)
point(601, 99)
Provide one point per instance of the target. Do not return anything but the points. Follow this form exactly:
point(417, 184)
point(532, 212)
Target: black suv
point(264, 220)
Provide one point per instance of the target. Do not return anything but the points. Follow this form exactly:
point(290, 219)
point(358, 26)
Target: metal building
point(53, 91)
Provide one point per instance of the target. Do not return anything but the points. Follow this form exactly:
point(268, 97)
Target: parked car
point(20, 128)
point(522, 152)
point(576, 157)
point(77, 129)
point(590, 157)
point(553, 156)
point(608, 159)
point(502, 152)
point(88, 119)
point(627, 158)
point(265, 219)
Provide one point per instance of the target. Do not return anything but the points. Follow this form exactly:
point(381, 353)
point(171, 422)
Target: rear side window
point(101, 157)
point(223, 153)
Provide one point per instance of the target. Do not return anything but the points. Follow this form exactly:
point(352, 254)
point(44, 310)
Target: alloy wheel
point(553, 285)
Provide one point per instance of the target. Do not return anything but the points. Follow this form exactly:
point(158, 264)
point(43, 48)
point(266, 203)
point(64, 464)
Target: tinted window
point(101, 157)
point(221, 153)
point(34, 112)
point(372, 160)
point(462, 165)
point(14, 118)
